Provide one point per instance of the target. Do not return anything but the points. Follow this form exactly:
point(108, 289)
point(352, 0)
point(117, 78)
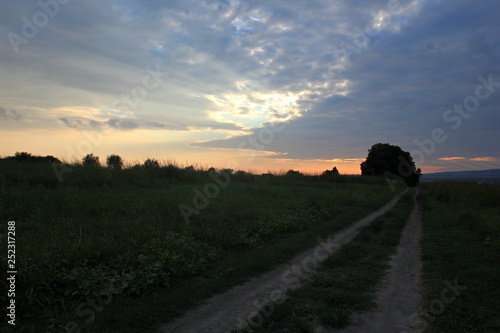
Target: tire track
point(231, 310)
point(400, 298)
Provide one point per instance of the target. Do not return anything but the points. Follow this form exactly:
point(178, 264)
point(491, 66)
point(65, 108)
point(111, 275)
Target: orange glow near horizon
point(171, 147)
point(431, 169)
point(134, 147)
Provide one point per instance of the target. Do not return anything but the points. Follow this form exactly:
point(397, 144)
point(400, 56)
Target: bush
point(151, 163)
point(23, 156)
point(172, 255)
point(91, 161)
point(27, 157)
point(292, 174)
point(244, 177)
point(114, 162)
point(330, 174)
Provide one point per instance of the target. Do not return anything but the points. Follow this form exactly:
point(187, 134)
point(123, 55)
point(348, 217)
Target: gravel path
point(232, 309)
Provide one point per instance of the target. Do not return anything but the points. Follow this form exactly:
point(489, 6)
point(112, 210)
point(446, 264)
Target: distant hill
point(485, 176)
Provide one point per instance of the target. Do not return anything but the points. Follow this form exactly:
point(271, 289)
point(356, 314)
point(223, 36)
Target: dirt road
point(232, 309)
point(399, 299)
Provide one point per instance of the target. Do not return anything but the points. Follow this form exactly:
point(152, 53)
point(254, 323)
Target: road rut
point(232, 309)
point(400, 298)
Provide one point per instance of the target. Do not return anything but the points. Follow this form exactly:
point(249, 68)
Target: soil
point(232, 309)
point(399, 299)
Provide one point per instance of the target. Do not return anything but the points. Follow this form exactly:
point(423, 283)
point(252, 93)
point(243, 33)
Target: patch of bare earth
point(232, 309)
point(399, 299)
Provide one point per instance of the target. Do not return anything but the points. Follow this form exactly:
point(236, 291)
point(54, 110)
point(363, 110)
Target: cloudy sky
point(253, 85)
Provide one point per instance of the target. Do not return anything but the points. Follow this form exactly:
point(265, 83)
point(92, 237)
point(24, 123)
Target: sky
point(252, 85)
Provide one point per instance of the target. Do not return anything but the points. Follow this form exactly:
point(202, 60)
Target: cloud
point(155, 124)
point(73, 123)
point(116, 113)
point(235, 67)
point(123, 124)
point(475, 159)
point(335, 160)
point(451, 158)
point(483, 159)
point(9, 114)
point(396, 89)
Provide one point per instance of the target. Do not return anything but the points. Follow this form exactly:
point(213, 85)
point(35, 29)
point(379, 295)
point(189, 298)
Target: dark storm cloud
point(401, 84)
point(407, 68)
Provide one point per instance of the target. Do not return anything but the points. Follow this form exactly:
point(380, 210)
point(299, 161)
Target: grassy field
point(112, 248)
point(461, 255)
point(344, 283)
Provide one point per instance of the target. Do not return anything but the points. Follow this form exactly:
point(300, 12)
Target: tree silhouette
point(391, 161)
point(414, 178)
point(114, 161)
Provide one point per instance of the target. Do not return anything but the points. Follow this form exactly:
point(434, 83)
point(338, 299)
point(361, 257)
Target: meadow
point(120, 233)
point(110, 250)
point(461, 257)
point(460, 252)
point(345, 283)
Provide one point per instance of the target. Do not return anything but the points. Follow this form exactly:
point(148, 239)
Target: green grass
point(345, 282)
point(461, 256)
point(461, 243)
point(77, 238)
